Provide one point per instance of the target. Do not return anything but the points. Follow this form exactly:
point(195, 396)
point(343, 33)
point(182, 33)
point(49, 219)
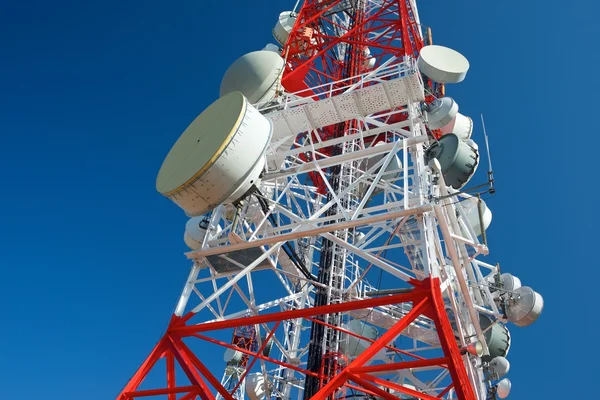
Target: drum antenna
point(490, 183)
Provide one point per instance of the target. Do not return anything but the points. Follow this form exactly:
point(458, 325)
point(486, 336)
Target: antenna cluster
point(331, 224)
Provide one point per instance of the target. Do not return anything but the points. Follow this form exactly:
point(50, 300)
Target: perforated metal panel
point(322, 113)
point(346, 106)
point(297, 119)
point(372, 99)
point(397, 92)
point(358, 103)
point(280, 125)
point(415, 87)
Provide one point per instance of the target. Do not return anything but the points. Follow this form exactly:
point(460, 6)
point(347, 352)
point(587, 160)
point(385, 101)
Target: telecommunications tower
point(335, 248)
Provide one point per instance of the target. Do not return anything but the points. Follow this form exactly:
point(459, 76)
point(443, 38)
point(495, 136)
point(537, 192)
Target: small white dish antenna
point(442, 64)
point(525, 306)
point(441, 112)
point(232, 356)
point(256, 75)
point(255, 386)
point(271, 47)
point(499, 367)
point(195, 231)
point(461, 126)
point(503, 388)
point(284, 26)
point(510, 282)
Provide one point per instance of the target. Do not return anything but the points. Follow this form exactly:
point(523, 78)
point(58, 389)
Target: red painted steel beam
point(204, 371)
point(439, 362)
point(456, 366)
point(269, 359)
point(188, 368)
point(295, 36)
point(158, 392)
point(358, 388)
point(443, 392)
point(427, 300)
point(259, 351)
point(171, 375)
point(366, 355)
point(414, 295)
point(165, 347)
point(190, 396)
point(394, 386)
point(143, 370)
point(350, 333)
point(406, 43)
point(369, 386)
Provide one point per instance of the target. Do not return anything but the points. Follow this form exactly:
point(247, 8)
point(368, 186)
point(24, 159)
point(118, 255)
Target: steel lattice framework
point(331, 38)
point(403, 257)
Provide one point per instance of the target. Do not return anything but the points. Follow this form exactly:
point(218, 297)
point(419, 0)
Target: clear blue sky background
point(93, 94)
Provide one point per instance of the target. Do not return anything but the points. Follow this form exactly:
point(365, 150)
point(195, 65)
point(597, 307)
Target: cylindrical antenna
point(480, 212)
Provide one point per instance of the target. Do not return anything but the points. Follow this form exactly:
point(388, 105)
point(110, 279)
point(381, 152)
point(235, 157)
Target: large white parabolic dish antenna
point(442, 64)
point(218, 158)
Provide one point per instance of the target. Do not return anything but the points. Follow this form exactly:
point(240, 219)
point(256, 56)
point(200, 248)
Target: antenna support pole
point(480, 212)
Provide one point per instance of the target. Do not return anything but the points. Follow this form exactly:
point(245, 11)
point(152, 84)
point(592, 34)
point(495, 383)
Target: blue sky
point(92, 96)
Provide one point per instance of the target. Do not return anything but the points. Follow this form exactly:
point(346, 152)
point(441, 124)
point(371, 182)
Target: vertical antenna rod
point(487, 147)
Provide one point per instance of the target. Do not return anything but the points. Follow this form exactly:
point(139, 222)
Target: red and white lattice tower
point(329, 237)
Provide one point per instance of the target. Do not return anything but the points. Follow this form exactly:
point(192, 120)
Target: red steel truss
point(244, 337)
point(330, 40)
point(199, 382)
